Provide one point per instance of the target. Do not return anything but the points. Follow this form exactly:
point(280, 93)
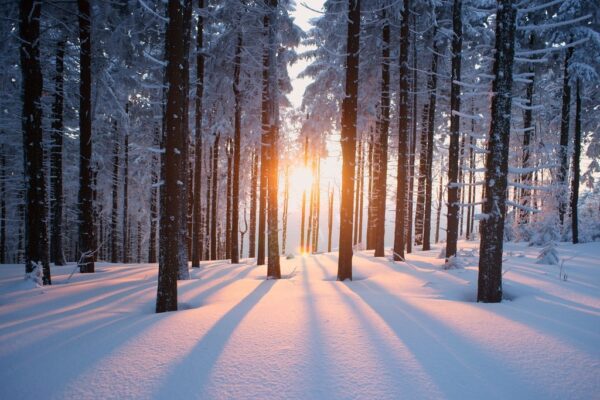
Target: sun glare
point(301, 178)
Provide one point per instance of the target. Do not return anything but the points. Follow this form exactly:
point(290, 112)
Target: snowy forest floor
point(398, 331)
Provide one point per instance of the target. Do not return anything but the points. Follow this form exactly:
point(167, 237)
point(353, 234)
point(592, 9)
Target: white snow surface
point(398, 331)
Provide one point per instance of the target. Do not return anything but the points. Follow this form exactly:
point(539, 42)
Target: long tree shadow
point(448, 357)
point(210, 347)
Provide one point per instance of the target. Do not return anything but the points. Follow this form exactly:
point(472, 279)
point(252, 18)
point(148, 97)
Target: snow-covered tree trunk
point(170, 218)
point(253, 201)
point(114, 215)
point(413, 143)
point(383, 139)
point(348, 139)
point(235, 195)
point(564, 138)
point(36, 240)
point(576, 171)
point(197, 245)
point(453, 151)
point(403, 135)
point(56, 167)
point(213, 198)
point(494, 203)
point(86, 207)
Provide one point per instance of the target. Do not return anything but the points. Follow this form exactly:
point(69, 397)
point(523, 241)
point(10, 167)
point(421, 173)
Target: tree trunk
point(528, 129)
point(494, 207)
point(235, 196)
point(213, 199)
point(430, 132)
point(197, 245)
point(253, 187)
point(114, 236)
point(453, 151)
point(439, 203)
point(330, 222)
point(286, 199)
point(170, 218)
point(316, 213)
point(564, 137)
point(403, 134)
point(56, 179)
point(229, 187)
point(357, 193)
point(413, 145)
point(154, 193)
point(125, 225)
point(3, 258)
point(36, 240)
point(303, 212)
point(576, 172)
point(86, 207)
point(383, 139)
point(371, 207)
point(422, 182)
point(348, 138)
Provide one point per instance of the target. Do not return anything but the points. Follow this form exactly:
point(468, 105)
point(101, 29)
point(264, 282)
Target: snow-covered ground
point(398, 331)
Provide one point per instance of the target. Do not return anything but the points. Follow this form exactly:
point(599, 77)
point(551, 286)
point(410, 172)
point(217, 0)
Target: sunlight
point(301, 179)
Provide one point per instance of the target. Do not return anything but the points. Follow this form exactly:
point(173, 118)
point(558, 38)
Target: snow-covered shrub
point(36, 276)
point(549, 254)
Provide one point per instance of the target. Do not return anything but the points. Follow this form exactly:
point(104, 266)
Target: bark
point(229, 187)
point(36, 240)
point(303, 213)
point(370, 208)
point(439, 203)
point(3, 258)
point(56, 178)
point(154, 193)
point(125, 224)
point(403, 134)
point(494, 207)
point(422, 181)
point(576, 171)
point(197, 245)
point(235, 196)
point(213, 199)
point(357, 194)
point(317, 211)
point(330, 222)
point(383, 138)
point(528, 130)
point(253, 187)
point(564, 137)
point(348, 138)
point(430, 132)
point(286, 199)
point(413, 144)
point(86, 208)
point(361, 183)
point(170, 218)
point(114, 236)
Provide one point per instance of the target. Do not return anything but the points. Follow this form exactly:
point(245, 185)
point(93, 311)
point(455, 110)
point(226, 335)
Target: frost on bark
point(197, 245)
point(576, 170)
point(170, 218)
point(235, 196)
point(403, 134)
point(36, 240)
point(494, 203)
point(564, 138)
point(348, 139)
point(86, 207)
point(453, 151)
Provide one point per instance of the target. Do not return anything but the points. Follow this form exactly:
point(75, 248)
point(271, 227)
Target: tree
point(403, 134)
point(36, 240)
point(86, 206)
point(453, 152)
point(564, 137)
point(489, 288)
point(197, 211)
point(235, 197)
point(170, 221)
point(348, 139)
point(576, 170)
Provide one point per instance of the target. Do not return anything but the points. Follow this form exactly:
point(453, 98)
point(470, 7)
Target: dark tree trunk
point(471, 194)
point(114, 236)
point(576, 172)
point(213, 199)
point(371, 207)
point(235, 196)
point(125, 224)
point(494, 207)
point(430, 132)
point(361, 184)
point(207, 207)
point(310, 212)
point(413, 144)
point(439, 203)
point(564, 137)
point(56, 179)
point(357, 192)
point(253, 187)
point(154, 193)
point(264, 166)
point(403, 134)
point(348, 137)
point(453, 151)
point(36, 240)
point(383, 140)
point(170, 218)
point(86, 207)
point(229, 187)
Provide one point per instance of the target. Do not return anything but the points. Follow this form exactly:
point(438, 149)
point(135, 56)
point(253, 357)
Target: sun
point(301, 179)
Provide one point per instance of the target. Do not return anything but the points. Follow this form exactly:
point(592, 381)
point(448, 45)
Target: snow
point(399, 330)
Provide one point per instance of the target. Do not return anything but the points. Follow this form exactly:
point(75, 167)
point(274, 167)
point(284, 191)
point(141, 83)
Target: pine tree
point(494, 204)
